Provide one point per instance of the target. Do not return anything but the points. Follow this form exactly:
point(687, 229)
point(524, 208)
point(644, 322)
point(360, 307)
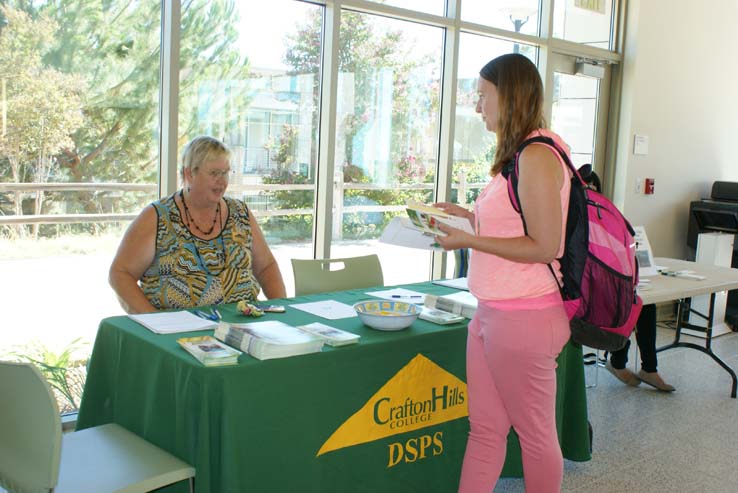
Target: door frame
point(566, 64)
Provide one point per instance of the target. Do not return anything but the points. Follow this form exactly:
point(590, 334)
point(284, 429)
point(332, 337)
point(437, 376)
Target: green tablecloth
point(259, 426)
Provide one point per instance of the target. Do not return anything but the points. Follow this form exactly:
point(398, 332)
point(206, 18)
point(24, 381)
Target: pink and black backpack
point(599, 269)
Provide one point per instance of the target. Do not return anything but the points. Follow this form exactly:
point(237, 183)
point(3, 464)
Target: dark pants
point(646, 339)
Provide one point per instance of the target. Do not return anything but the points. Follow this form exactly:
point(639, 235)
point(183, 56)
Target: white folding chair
point(35, 456)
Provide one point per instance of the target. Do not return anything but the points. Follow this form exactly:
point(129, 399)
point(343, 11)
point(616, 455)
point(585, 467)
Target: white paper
point(400, 232)
point(399, 294)
point(330, 309)
point(172, 322)
point(458, 283)
point(463, 297)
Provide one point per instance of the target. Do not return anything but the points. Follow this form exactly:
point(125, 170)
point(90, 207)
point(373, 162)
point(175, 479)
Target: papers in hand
point(331, 335)
point(267, 340)
point(401, 232)
point(426, 219)
point(172, 322)
point(210, 351)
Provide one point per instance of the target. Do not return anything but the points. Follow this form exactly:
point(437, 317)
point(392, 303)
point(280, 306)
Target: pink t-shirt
point(502, 283)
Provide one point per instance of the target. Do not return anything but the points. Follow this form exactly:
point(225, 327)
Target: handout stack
point(268, 340)
point(462, 303)
point(210, 351)
point(331, 335)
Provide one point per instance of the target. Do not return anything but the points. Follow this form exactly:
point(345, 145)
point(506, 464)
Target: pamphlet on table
point(269, 339)
point(439, 316)
point(643, 253)
point(210, 351)
point(461, 303)
point(331, 335)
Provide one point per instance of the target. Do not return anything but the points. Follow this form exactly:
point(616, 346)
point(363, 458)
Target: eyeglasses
point(217, 173)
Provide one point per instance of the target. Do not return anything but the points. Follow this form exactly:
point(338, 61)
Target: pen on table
point(216, 313)
point(205, 315)
point(407, 295)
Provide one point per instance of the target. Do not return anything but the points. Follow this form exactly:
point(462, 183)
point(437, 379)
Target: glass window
point(436, 7)
point(79, 90)
point(474, 146)
point(260, 95)
point(574, 114)
point(584, 21)
point(520, 16)
point(387, 135)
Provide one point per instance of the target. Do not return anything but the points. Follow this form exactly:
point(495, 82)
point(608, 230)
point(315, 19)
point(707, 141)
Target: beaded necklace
point(191, 220)
point(218, 219)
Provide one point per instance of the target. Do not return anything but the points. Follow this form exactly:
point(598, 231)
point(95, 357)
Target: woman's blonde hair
point(202, 149)
point(520, 103)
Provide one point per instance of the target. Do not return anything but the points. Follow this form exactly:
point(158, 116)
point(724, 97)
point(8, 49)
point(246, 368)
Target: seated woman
point(195, 247)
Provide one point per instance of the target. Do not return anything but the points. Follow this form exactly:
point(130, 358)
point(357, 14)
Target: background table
point(679, 289)
point(258, 426)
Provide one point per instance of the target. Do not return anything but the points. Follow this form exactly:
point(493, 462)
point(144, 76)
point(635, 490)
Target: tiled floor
point(651, 441)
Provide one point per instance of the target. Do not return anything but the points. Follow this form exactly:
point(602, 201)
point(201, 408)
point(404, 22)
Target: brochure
point(209, 351)
point(426, 219)
point(267, 340)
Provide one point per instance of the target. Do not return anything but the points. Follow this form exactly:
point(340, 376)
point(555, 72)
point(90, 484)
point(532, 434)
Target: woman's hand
point(455, 210)
point(454, 239)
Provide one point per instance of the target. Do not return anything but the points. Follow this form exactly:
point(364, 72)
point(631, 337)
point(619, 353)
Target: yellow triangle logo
point(421, 394)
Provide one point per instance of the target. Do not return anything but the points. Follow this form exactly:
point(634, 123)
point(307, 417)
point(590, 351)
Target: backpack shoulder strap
point(511, 173)
point(511, 170)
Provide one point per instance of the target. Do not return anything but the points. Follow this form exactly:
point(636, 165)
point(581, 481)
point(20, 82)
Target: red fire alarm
point(649, 186)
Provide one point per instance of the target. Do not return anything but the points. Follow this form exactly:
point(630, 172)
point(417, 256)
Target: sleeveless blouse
point(188, 271)
point(504, 283)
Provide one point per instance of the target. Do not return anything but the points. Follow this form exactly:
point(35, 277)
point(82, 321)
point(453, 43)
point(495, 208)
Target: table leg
point(683, 311)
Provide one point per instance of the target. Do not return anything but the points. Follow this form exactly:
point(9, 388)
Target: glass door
point(579, 93)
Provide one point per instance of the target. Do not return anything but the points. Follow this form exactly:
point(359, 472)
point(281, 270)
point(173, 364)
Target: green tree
point(42, 105)
point(363, 53)
point(114, 46)
point(367, 53)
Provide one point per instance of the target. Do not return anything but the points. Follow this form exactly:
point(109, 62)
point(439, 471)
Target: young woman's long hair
point(520, 105)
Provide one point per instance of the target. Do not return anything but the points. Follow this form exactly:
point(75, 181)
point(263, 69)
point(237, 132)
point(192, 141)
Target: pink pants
point(511, 381)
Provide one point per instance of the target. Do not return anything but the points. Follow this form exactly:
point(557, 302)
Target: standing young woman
point(520, 325)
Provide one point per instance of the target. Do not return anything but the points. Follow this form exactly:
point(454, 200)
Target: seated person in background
point(645, 331)
point(195, 247)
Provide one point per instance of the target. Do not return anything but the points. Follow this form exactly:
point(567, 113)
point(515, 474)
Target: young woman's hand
point(455, 210)
point(454, 239)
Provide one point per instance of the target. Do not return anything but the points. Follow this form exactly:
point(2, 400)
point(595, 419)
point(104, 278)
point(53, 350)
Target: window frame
point(453, 25)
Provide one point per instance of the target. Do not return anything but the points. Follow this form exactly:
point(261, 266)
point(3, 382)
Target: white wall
point(680, 88)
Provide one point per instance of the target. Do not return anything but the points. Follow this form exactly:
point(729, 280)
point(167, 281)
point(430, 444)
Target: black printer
point(718, 213)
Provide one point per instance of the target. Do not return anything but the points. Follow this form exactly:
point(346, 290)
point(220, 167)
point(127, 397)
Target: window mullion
point(323, 224)
point(169, 96)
